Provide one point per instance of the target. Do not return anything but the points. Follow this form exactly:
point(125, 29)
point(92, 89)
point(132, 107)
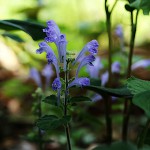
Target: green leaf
point(33, 29)
point(79, 99)
point(118, 92)
point(142, 100)
point(13, 36)
point(117, 146)
point(51, 122)
point(136, 85)
point(52, 99)
point(142, 4)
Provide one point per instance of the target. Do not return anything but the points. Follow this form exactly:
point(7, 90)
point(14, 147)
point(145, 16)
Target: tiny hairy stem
point(108, 99)
point(39, 116)
point(65, 106)
point(128, 103)
point(142, 136)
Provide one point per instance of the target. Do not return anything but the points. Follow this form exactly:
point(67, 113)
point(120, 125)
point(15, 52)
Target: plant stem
point(39, 116)
point(128, 103)
point(108, 99)
point(65, 105)
point(143, 134)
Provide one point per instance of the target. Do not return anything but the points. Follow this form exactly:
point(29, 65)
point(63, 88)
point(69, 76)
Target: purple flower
point(54, 35)
point(51, 58)
point(86, 60)
point(96, 98)
point(142, 63)
point(104, 78)
point(91, 46)
point(94, 70)
point(80, 82)
point(52, 31)
point(34, 74)
point(56, 85)
point(119, 31)
point(115, 68)
point(47, 72)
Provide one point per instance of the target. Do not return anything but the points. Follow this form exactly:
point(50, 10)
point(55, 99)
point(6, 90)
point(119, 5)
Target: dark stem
point(39, 116)
point(65, 106)
point(108, 99)
point(128, 103)
point(142, 136)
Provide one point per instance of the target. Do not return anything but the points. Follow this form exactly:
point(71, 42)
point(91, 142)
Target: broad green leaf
point(142, 100)
point(136, 85)
point(52, 99)
point(117, 146)
point(142, 4)
point(13, 36)
point(118, 92)
point(50, 122)
point(79, 99)
point(33, 29)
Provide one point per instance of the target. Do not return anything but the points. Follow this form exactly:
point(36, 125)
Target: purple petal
point(34, 74)
point(116, 67)
point(119, 31)
point(96, 98)
point(94, 70)
point(142, 63)
point(56, 85)
point(86, 60)
point(80, 82)
point(91, 46)
point(104, 78)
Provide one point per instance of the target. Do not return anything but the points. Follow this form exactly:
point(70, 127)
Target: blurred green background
point(81, 21)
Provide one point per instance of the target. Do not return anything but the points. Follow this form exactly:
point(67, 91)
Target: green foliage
point(52, 99)
point(51, 122)
point(13, 37)
point(136, 85)
point(15, 88)
point(117, 146)
point(141, 4)
point(141, 90)
point(79, 99)
point(28, 27)
point(118, 92)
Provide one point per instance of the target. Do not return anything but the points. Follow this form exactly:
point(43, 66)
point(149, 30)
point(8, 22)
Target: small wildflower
point(91, 46)
point(56, 85)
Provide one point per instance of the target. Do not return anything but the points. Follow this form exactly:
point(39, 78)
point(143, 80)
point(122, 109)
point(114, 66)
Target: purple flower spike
point(91, 46)
point(80, 82)
point(34, 74)
point(94, 70)
point(56, 85)
point(87, 60)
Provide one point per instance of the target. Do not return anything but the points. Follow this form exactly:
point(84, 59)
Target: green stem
point(39, 130)
point(65, 106)
point(128, 103)
point(108, 99)
point(143, 134)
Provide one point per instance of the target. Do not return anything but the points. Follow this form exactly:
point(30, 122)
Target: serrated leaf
point(136, 85)
point(52, 99)
point(51, 122)
point(79, 99)
point(117, 146)
point(142, 100)
point(33, 29)
point(118, 92)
